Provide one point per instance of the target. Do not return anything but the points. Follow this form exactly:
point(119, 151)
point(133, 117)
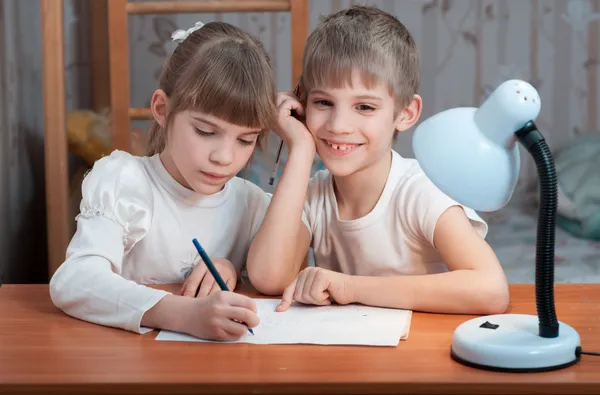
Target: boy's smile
point(340, 148)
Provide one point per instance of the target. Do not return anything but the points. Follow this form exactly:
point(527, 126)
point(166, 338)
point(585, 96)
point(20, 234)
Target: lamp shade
point(471, 154)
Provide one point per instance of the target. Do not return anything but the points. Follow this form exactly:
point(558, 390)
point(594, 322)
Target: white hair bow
point(180, 35)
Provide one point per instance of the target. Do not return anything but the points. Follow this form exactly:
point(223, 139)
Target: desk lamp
point(472, 155)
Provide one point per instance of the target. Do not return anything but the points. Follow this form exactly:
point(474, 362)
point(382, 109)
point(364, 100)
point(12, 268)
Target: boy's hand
point(292, 131)
point(201, 277)
point(220, 316)
point(319, 287)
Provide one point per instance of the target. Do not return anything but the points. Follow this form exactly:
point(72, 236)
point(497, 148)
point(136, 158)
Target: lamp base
point(510, 342)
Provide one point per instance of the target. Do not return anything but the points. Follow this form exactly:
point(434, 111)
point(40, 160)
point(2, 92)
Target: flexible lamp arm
point(530, 137)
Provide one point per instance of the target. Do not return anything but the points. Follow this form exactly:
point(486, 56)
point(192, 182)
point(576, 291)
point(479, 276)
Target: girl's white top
point(136, 226)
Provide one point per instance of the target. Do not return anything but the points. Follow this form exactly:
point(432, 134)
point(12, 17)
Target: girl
point(381, 232)
point(139, 215)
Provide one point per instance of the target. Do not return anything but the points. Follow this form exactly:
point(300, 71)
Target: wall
point(22, 183)
point(467, 48)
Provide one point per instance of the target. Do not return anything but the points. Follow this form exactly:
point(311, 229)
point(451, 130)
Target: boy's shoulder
point(405, 167)
point(318, 185)
point(408, 175)
point(405, 176)
point(410, 190)
point(320, 177)
point(404, 172)
point(416, 196)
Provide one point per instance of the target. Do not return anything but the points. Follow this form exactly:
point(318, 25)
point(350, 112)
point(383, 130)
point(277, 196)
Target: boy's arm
point(281, 244)
point(474, 284)
point(282, 241)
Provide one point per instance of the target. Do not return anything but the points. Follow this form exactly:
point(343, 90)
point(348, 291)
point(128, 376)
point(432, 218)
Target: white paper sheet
point(303, 324)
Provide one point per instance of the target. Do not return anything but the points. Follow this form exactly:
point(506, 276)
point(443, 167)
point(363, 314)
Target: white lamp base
point(514, 345)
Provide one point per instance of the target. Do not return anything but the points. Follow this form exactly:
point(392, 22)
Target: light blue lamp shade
point(471, 154)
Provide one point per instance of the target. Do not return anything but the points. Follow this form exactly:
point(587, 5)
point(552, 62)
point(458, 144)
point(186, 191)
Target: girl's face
point(204, 152)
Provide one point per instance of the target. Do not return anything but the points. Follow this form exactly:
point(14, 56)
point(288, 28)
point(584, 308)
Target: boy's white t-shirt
point(395, 238)
point(136, 226)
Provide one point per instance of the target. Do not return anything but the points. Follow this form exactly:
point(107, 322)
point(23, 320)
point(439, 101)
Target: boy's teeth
point(341, 147)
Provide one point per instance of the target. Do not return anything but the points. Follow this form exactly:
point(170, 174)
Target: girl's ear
point(159, 106)
point(409, 115)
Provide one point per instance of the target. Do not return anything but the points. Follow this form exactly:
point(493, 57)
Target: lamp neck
point(507, 109)
point(497, 125)
point(531, 138)
point(529, 135)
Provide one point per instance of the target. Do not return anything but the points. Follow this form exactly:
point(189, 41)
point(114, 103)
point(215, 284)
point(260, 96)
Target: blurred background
point(467, 48)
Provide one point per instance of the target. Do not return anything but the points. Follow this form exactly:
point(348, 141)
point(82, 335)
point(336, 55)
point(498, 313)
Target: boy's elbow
point(494, 298)
point(263, 285)
point(266, 278)
point(268, 290)
point(257, 275)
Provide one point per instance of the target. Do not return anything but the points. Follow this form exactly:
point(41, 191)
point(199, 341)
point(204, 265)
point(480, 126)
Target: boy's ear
point(298, 93)
point(159, 106)
point(410, 114)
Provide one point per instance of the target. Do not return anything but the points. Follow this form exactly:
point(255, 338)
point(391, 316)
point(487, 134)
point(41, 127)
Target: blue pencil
point(213, 270)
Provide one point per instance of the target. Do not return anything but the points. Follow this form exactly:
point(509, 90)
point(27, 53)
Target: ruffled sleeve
point(115, 213)
point(117, 189)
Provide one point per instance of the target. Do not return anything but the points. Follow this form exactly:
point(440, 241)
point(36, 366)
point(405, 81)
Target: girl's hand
point(319, 287)
point(202, 281)
point(291, 130)
point(220, 316)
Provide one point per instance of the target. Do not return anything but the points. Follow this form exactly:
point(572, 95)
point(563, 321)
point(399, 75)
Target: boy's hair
point(222, 71)
point(363, 39)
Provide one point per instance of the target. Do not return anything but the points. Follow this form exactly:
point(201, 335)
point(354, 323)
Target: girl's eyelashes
point(246, 142)
point(203, 133)
point(211, 134)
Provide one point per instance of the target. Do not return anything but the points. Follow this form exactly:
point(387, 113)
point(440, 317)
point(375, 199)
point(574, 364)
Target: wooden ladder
point(59, 218)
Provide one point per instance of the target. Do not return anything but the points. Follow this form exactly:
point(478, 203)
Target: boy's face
point(354, 126)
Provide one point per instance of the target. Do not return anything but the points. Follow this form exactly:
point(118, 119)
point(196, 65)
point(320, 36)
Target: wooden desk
point(43, 350)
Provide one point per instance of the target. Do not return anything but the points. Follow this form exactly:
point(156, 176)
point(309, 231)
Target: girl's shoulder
point(118, 186)
point(119, 169)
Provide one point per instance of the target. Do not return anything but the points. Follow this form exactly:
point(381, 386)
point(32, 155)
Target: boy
point(382, 233)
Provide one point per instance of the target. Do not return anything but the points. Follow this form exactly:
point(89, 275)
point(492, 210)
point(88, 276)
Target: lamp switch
point(488, 325)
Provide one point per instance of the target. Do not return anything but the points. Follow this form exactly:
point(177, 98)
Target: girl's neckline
point(184, 194)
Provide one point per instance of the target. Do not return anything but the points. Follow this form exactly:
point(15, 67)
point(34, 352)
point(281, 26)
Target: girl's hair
point(222, 71)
